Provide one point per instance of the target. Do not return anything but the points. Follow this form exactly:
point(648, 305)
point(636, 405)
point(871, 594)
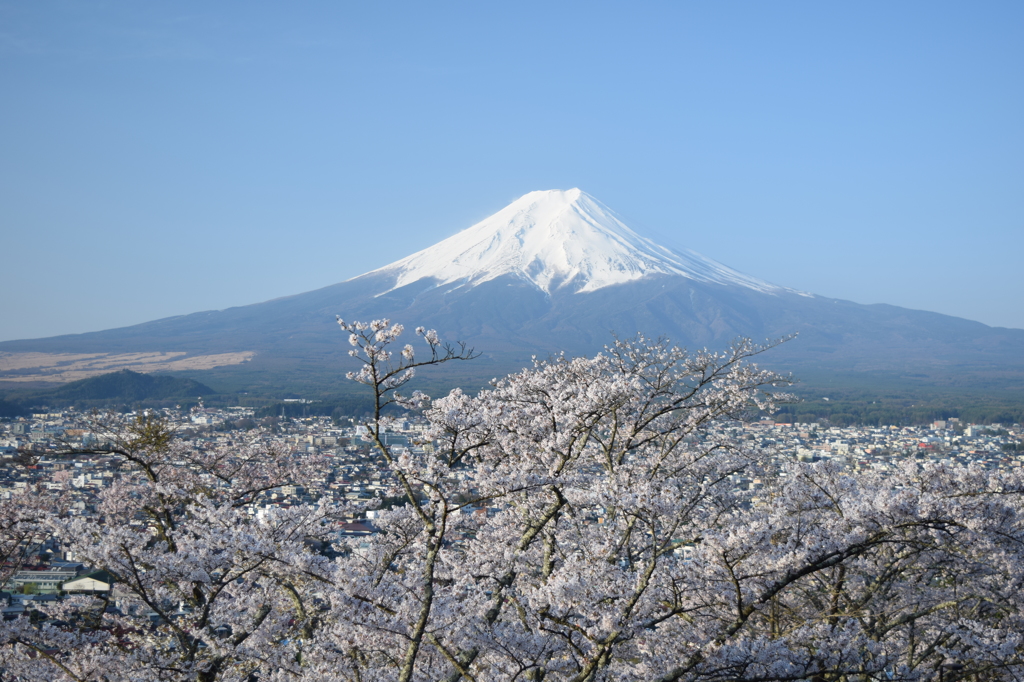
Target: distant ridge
point(129, 386)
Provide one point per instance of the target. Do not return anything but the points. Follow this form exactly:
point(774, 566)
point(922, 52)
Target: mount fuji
point(557, 239)
point(553, 271)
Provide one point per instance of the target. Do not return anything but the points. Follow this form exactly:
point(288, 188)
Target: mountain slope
point(558, 271)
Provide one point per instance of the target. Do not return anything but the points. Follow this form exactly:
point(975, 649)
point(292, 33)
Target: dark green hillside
point(131, 387)
point(117, 388)
point(894, 403)
point(10, 409)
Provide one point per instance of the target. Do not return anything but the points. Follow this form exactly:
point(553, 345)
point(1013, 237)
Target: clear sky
point(165, 158)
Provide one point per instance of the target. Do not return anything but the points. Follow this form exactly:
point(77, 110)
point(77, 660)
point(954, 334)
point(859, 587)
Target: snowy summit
point(556, 239)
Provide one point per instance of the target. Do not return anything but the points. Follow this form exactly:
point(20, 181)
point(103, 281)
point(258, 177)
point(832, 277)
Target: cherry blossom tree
point(579, 520)
point(204, 589)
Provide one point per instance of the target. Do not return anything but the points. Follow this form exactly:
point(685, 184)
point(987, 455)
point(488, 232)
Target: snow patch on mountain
point(555, 239)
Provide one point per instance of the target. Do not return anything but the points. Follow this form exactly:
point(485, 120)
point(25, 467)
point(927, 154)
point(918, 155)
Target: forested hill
point(131, 386)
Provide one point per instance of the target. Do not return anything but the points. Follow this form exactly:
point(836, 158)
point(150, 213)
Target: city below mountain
point(555, 271)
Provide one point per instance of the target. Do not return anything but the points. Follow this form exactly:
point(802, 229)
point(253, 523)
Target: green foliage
point(147, 433)
point(884, 406)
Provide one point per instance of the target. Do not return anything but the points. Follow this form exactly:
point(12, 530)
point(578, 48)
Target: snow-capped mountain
point(557, 239)
point(554, 271)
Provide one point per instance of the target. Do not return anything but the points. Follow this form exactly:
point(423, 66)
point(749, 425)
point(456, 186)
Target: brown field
point(62, 368)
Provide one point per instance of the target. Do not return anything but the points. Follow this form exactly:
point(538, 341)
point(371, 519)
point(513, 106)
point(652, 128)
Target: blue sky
point(164, 158)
